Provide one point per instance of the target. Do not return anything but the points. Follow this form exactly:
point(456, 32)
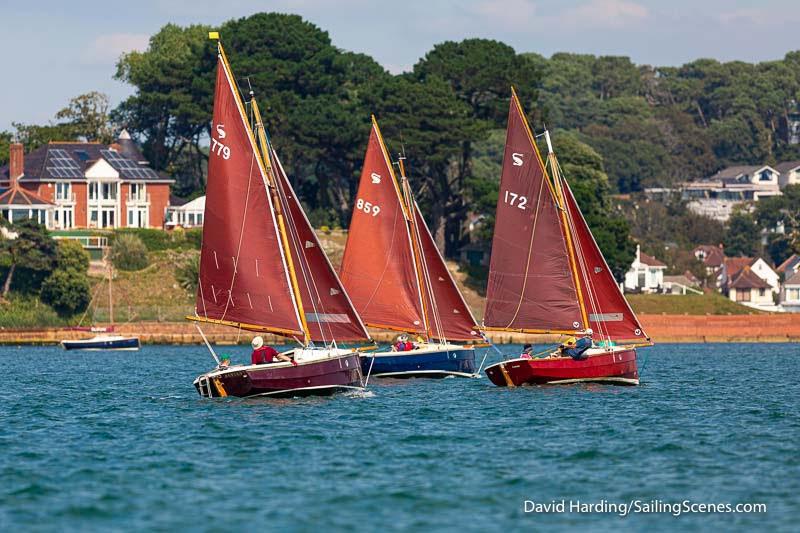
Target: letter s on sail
point(376, 178)
point(517, 158)
point(221, 131)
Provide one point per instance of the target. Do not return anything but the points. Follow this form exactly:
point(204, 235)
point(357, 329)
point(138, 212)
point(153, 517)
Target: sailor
point(576, 348)
point(403, 344)
point(266, 354)
point(526, 352)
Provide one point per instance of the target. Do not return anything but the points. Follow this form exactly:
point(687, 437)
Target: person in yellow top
point(576, 348)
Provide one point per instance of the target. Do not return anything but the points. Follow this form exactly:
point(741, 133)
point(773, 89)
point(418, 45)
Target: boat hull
point(452, 360)
point(120, 343)
point(316, 377)
point(614, 367)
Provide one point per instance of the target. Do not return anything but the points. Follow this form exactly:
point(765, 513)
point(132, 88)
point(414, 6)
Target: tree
point(88, 117)
point(72, 256)
point(67, 291)
point(31, 249)
point(743, 237)
point(128, 252)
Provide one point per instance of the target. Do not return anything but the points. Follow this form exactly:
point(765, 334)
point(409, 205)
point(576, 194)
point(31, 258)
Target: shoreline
point(661, 328)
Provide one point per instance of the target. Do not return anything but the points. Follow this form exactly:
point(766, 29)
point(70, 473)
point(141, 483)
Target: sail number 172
point(515, 200)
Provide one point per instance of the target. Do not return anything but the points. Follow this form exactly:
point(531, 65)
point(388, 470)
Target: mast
point(416, 251)
point(273, 190)
point(408, 213)
point(110, 294)
point(562, 208)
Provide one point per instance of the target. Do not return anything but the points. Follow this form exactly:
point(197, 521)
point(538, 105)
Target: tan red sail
point(328, 311)
point(531, 286)
point(243, 274)
point(449, 316)
point(378, 267)
point(610, 316)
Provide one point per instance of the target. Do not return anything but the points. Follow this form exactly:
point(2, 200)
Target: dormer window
point(765, 175)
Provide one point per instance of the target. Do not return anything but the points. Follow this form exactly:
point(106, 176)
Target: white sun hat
point(257, 343)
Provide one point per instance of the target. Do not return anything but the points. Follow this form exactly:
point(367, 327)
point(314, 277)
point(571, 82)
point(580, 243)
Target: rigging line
point(530, 251)
point(427, 279)
point(241, 238)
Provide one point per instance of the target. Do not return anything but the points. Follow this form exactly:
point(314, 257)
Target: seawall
point(661, 328)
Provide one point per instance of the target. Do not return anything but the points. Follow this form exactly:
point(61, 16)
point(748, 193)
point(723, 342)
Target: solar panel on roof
point(61, 165)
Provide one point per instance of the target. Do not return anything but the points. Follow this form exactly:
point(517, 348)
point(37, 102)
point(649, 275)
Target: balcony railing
point(71, 198)
point(138, 199)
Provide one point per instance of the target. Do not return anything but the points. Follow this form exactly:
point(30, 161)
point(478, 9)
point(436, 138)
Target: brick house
point(88, 185)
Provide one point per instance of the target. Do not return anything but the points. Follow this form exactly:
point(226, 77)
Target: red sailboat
point(262, 268)
point(398, 279)
point(547, 275)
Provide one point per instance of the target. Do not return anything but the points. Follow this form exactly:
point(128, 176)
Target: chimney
point(16, 163)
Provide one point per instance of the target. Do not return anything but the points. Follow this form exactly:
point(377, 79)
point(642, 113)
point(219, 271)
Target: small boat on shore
point(547, 275)
point(399, 281)
point(262, 268)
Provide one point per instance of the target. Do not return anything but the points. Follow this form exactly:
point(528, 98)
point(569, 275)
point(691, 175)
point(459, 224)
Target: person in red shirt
point(266, 354)
point(403, 344)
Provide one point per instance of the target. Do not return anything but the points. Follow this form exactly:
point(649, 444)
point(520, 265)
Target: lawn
point(690, 304)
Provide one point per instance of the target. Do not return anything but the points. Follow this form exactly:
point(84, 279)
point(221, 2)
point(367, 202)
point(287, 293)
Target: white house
point(749, 289)
point(790, 295)
point(789, 173)
point(646, 273)
point(717, 195)
point(187, 215)
point(732, 266)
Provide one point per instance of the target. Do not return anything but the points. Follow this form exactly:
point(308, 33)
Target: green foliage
point(33, 252)
point(87, 116)
point(156, 240)
point(188, 272)
point(128, 252)
point(711, 303)
point(743, 237)
point(28, 311)
point(67, 291)
point(72, 256)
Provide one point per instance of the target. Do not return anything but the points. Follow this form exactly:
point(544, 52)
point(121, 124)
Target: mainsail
point(531, 286)
point(391, 266)
point(378, 267)
point(328, 311)
point(244, 279)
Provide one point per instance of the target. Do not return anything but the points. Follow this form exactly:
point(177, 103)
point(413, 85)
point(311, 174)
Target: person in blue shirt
point(577, 348)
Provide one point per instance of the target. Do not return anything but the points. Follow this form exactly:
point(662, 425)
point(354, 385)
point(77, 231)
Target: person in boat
point(527, 351)
point(403, 344)
point(266, 354)
point(576, 348)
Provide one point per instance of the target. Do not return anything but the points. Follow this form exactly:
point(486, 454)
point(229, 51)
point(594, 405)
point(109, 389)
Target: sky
point(55, 50)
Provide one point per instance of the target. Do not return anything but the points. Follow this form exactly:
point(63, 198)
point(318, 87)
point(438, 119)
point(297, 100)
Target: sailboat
point(399, 281)
point(103, 342)
point(548, 276)
point(262, 268)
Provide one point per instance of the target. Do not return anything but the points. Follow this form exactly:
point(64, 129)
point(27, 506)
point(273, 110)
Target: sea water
point(103, 441)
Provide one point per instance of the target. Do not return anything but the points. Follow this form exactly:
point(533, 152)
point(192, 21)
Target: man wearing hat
point(266, 354)
point(576, 348)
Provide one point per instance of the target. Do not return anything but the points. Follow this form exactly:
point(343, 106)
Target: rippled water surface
point(121, 441)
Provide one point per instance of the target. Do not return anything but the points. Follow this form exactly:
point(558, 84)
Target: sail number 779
point(368, 207)
point(515, 200)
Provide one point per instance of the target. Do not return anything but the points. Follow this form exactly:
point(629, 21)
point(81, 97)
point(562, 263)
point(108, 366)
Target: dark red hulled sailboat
point(547, 274)
point(262, 268)
point(398, 279)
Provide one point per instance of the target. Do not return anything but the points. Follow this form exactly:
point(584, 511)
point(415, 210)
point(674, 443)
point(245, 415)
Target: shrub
point(154, 239)
point(71, 255)
point(194, 238)
point(128, 252)
point(188, 272)
point(67, 291)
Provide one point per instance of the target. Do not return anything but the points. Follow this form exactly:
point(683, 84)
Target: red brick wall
point(124, 189)
point(159, 199)
point(81, 215)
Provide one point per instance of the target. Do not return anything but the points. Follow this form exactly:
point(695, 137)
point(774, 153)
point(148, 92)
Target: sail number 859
point(368, 207)
point(515, 200)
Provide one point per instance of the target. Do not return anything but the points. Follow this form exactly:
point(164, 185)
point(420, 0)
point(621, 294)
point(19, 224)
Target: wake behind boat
point(547, 275)
point(398, 279)
point(262, 267)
